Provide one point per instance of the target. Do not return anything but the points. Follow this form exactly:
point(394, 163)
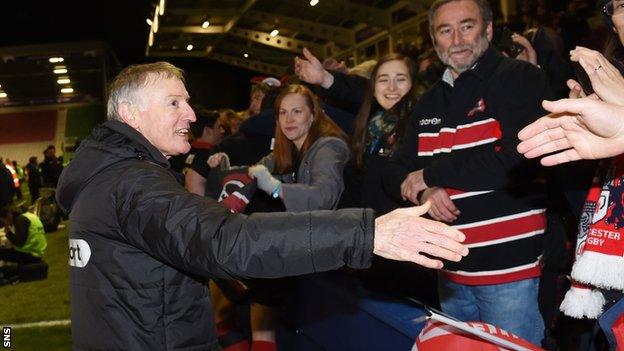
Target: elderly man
point(140, 244)
point(459, 153)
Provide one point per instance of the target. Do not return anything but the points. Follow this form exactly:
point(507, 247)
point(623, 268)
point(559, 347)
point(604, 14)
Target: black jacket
point(363, 188)
point(140, 246)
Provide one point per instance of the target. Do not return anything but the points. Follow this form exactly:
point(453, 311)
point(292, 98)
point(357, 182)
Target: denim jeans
point(511, 306)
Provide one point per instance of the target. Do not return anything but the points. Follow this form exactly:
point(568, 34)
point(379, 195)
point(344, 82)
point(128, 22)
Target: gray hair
point(484, 8)
point(132, 79)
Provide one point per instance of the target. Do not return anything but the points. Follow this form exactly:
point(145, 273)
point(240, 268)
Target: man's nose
point(190, 114)
point(457, 38)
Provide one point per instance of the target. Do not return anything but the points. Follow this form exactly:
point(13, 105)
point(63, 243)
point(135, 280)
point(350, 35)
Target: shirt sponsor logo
point(79, 253)
point(430, 121)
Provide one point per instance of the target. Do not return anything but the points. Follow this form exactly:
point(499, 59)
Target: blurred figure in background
point(7, 189)
point(210, 134)
point(26, 235)
point(34, 178)
point(51, 167)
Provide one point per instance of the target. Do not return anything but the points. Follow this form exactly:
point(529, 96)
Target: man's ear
point(489, 32)
point(129, 114)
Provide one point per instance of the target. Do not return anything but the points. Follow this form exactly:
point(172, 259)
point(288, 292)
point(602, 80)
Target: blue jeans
point(512, 306)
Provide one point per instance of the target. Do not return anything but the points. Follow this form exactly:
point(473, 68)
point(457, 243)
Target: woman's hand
point(606, 80)
point(266, 182)
point(528, 54)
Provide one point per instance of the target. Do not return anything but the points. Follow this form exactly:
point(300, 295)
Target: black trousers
point(10, 255)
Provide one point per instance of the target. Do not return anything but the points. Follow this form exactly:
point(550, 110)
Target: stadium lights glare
point(67, 90)
point(56, 59)
point(155, 21)
point(60, 69)
point(149, 21)
point(205, 24)
point(274, 33)
point(3, 95)
point(64, 80)
point(314, 2)
point(189, 47)
point(245, 55)
point(162, 7)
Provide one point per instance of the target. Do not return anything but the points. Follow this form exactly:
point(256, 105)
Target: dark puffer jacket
point(140, 246)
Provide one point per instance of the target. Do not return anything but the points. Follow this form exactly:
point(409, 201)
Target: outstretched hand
point(404, 235)
point(583, 128)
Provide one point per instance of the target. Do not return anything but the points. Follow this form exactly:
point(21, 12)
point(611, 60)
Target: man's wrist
point(328, 80)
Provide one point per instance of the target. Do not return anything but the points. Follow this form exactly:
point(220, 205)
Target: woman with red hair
point(310, 152)
point(304, 171)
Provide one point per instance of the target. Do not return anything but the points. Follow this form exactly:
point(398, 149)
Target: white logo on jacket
point(430, 121)
point(79, 253)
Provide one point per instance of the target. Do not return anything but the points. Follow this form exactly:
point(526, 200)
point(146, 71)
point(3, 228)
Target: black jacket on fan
point(464, 136)
point(363, 188)
point(141, 247)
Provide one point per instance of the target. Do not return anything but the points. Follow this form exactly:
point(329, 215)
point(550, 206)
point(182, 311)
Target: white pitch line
point(40, 324)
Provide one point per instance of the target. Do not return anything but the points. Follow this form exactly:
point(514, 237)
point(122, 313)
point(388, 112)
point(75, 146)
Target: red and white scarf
point(599, 259)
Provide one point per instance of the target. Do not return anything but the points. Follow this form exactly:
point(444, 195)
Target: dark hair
point(321, 126)
point(613, 49)
point(360, 124)
point(205, 118)
point(484, 8)
point(32, 159)
point(269, 98)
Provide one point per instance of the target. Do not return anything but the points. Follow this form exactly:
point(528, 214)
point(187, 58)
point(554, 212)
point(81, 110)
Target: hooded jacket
point(318, 183)
point(140, 246)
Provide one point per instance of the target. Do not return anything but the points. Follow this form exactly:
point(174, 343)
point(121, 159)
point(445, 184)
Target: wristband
point(275, 194)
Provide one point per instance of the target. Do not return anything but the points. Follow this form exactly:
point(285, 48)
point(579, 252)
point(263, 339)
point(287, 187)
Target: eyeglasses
point(613, 8)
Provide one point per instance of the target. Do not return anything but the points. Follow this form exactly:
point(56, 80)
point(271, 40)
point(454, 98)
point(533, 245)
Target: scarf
point(599, 261)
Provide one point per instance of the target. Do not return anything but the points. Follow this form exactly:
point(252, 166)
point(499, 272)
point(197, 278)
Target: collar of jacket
point(145, 149)
point(486, 64)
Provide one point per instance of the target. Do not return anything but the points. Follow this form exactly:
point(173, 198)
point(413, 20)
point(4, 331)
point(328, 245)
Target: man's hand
point(215, 160)
point(582, 128)
point(403, 235)
point(310, 70)
point(412, 185)
point(442, 207)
